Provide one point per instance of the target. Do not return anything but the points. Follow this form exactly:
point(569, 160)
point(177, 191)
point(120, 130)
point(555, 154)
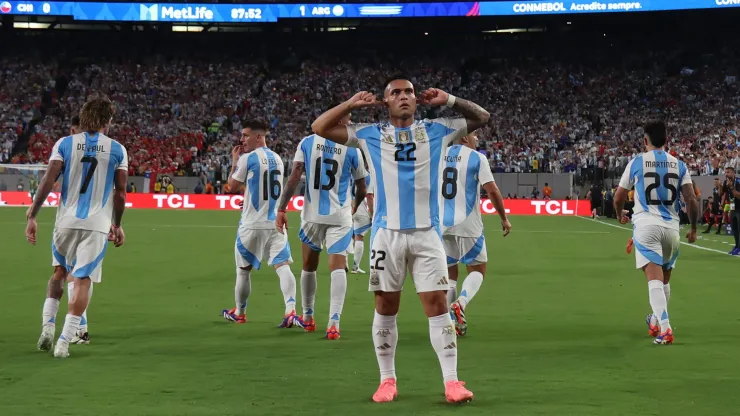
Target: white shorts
point(252, 245)
point(418, 251)
point(361, 221)
point(656, 244)
point(470, 251)
point(81, 252)
point(336, 238)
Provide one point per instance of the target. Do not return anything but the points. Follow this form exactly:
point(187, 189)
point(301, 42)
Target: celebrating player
point(326, 219)
point(261, 170)
point(361, 222)
point(657, 177)
point(465, 171)
point(92, 165)
point(404, 158)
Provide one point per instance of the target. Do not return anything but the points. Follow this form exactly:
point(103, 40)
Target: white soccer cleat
point(61, 350)
point(46, 340)
point(81, 338)
point(357, 270)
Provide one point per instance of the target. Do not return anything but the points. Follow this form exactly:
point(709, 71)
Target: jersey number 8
point(449, 183)
point(656, 184)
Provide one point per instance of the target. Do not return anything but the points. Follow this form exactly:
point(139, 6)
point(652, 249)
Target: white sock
point(338, 291)
point(385, 339)
point(71, 325)
point(667, 291)
point(308, 293)
point(470, 287)
point(242, 290)
point(84, 327)
point(49, 313)
point(287, 285)
point(359, 252)
point(444, 340)
point(452, 292)
point(659, 304)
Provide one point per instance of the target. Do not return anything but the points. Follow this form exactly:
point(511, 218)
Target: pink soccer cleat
point(455, 392)
point(387, 391)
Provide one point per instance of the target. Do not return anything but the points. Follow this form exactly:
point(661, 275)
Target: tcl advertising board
point(232, 202)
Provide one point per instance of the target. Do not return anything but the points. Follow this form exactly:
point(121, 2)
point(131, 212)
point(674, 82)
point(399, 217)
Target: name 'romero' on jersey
point(331, 169)
point(464, 172)
point(90, 162)
point(657, 178)
point(405, 163)
point(262, 172)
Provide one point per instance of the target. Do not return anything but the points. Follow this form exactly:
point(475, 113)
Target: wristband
point(115, 226)
point(450, 100)
point(282, 210)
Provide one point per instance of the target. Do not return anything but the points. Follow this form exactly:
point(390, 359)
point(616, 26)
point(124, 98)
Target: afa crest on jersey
point(420, 135)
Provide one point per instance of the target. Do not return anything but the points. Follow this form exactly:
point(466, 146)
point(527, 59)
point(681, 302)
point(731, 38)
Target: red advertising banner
point(231, 202)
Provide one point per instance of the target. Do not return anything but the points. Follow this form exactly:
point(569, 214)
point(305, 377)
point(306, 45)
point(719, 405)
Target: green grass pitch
point(557, 329)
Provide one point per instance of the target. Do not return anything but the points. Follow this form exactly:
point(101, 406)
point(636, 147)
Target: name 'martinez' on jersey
point(657, 178)
point(90, 162)
point(330, 169)
point(262, 173)
point(405, 166)
point(464, 172)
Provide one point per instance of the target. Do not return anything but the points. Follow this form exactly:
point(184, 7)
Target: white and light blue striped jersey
point(90, 162)
point(657, 178)
point(262, 173)
point(464, 172)
point(368, 190)
point(405, 163)
point(330, 172)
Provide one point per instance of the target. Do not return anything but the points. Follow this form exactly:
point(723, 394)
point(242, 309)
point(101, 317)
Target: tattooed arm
point(475, 115)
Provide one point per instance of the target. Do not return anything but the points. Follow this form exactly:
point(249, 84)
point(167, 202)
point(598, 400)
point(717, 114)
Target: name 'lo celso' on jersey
point(464, 172)
point(90, 161)
point(331, 170)
point(262, 173)
point(657, 178)
point(405, 164)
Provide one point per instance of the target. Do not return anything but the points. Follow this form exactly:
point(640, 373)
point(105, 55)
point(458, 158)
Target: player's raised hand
point(281, 222)
point(624, 219)
point(235, 153)
point(506, 227)
point(434, 97)
point(118, 237)
point(363, 99)
point(31, 228)
point(691, 236)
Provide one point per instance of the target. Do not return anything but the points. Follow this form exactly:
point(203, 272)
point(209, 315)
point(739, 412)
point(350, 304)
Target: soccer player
point(326, 219)
point(361, 223)
point(657, 178)
point(465, 172)
point(82, 336)
point(715, 208)
point(404, 157)
point(261, 170)
point(732, 197)
point(92, 166)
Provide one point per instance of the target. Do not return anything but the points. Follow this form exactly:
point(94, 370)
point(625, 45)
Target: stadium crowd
point(181, 117)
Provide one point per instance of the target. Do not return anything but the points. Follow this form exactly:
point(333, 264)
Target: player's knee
point(359, 237)
point(248, 268)
point(387, 303)
point(279, 265)
point(480, 268)
point(60, 273)
point(434, 303)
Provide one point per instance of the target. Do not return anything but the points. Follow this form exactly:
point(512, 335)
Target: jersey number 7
point(90, 172)
point(656, 183)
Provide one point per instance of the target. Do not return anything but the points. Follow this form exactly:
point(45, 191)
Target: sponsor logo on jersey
point(387, 138)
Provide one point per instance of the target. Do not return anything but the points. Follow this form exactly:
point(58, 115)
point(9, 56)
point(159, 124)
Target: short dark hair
point(730, 168)
point(255, 125)
point(76, 120)
point(395, 77)
point(656, 132)
point(546, 184)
